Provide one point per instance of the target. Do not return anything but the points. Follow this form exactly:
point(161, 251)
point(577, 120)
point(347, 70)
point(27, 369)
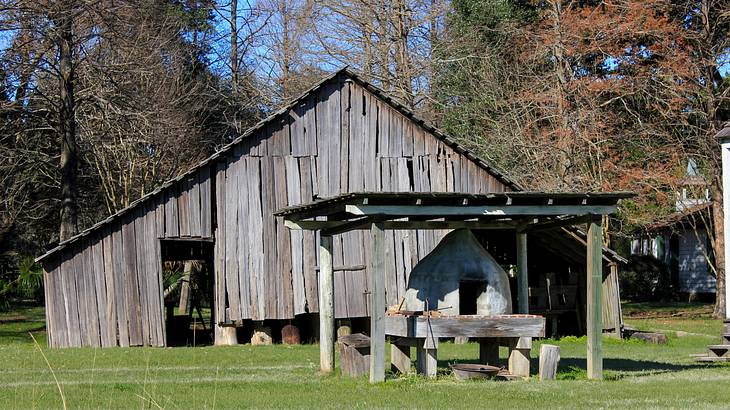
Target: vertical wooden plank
point(131, 284)
point(594, 280)
point(378, 258)
point(50, 304)
point(102, 303)
point(111, 312)
point(285, 308)
point(522, 285)
point(87, 294)
point(231, 245)
point(122, 306)
point(172, 224)
point(153, 275)
point(78, 293)
point(309, 244)
point(371, 163)
point(293, 192)
point(270, 273)
point(256, 245)
point(243, 185)
point(383, 129)
point(206, 202)
point(326, 306)
point(184, 204)
point(73, 316)
point(194, 214)
point(220, 243)
point(141, 249)
point(344, 120)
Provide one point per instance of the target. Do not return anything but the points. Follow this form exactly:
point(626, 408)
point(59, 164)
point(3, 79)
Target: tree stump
point(225, 335)
point(549, 359)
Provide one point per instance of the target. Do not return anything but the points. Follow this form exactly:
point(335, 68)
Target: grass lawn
point(638, 375)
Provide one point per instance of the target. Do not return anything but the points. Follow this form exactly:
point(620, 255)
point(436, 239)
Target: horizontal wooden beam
point(333, 227)
point(469, 326)
point(397, 211)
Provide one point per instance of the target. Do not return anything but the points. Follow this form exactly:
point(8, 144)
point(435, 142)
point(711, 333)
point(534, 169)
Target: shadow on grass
point(575, 368)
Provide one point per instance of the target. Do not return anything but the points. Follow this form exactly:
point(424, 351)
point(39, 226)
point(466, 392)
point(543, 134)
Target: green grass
point(637, 375)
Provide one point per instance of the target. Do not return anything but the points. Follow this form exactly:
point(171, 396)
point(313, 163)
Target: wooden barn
point(103, 287)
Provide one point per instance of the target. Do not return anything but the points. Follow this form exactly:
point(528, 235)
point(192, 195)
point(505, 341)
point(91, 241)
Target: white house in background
point(680, 240)
point(724, 137)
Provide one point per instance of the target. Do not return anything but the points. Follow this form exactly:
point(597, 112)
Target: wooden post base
point(427, 356)
point(225, 335)
point(549, 359)
point(519, 356)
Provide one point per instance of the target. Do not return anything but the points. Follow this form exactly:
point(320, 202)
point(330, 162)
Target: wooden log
point(522, 283)
point(326, 306)
point(519, 357)
point(549, 359)
point(400, 358)
point(594, 282)
point(290, 335)
point(225, 335)
point(489, 351)
point(378, 257)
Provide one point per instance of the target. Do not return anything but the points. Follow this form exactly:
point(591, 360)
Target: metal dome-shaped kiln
point(459, 277)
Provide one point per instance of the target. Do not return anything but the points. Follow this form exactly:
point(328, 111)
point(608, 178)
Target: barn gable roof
point(348, 74)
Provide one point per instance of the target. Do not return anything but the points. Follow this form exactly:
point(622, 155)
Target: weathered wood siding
point(341, 138)
point(105, 289)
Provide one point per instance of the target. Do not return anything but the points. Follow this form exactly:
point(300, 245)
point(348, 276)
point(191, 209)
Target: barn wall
point(341, 138)
point(105, 288)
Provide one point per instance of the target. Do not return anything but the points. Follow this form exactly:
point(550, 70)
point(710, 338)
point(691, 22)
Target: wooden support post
point(594, 281)
point(522, 286)
point(489, 352)
point(725, 144)
point(326, 306)
point(549, 359)
point(400, 358)
point(377, 303)
point(519, 356)
point(427, 356)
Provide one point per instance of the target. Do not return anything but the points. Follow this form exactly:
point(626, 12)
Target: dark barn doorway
point(187, 277)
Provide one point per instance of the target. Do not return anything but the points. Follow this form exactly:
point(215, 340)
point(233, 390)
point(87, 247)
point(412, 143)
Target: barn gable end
point(104, 286)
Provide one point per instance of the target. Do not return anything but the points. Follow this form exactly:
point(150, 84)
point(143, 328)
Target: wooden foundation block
point(290, 335)
point(225, 335)
point(261, 336)
point(549, 360)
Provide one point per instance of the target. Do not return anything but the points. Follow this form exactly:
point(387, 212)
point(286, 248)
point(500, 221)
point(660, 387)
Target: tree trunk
point(234, 45)
point(718, 247)
point(67, 122)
